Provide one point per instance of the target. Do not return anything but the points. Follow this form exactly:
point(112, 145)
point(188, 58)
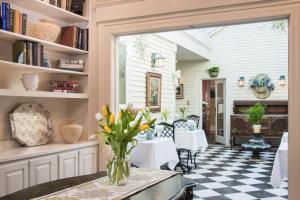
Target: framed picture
point(179, 91)
point(153, 91)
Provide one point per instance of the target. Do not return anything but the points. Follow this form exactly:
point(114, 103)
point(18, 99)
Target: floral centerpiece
point(119, 132)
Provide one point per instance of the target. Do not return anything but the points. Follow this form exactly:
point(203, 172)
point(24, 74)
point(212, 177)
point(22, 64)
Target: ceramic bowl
point(45, 30)
point(30, 81)
point(70, 133)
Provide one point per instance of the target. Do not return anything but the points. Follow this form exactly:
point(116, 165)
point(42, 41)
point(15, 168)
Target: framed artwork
point(179, 91)
point(153, 91)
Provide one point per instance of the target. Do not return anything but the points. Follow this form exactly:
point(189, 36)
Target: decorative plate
point(31, 124)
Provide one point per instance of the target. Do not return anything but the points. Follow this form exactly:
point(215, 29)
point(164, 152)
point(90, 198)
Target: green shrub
point(255, 113)
point(214, 69)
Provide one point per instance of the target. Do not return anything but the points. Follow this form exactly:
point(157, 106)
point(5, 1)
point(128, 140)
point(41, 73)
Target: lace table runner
point(101, 189)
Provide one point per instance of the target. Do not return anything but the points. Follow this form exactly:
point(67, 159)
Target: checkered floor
point(229, 174)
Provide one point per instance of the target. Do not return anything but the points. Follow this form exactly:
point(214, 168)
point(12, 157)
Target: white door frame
point(221, 139)
point(226, 116)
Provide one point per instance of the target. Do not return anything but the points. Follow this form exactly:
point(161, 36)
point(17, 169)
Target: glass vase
point(118, 170)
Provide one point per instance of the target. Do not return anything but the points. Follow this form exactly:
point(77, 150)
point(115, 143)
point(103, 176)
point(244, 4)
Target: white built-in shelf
point(49, 10)
point(20, 152)
point(12, 37)
point(42, 94)
point(18, 66)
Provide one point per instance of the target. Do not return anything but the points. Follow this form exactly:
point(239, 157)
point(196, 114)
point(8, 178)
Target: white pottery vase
point(256, 128)
point(30, 81)
point(70, 133)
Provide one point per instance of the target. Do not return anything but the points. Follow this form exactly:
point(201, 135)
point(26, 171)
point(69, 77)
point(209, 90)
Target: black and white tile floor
point(224, 174)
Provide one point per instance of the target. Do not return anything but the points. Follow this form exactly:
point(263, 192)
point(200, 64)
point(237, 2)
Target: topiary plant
point(255, 113)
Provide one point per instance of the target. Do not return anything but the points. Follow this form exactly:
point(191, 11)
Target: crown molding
point(106, 3)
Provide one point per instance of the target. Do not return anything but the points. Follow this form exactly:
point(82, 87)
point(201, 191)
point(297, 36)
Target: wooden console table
point(176, 187)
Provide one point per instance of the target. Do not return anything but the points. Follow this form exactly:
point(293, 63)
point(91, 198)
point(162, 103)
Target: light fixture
point(242, 81)
point(281, 80)
point(156, 60)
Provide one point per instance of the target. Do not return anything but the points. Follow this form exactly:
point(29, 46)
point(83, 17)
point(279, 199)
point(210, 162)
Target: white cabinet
point(13, 177)
point(19, 174)
point(68, 164)
point(43, 169)
point(88, 161)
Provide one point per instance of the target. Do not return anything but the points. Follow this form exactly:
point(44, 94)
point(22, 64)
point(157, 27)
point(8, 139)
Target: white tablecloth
point(280, 166)
point(192, 140)
point(154, 153)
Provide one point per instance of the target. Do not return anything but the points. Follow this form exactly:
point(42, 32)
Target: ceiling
point(184, 55)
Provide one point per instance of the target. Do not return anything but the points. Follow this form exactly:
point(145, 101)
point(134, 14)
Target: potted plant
point(213, 71)
point(255, 115)
point(119, 132)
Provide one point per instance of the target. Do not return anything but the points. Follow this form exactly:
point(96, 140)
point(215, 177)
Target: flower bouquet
point(119, 133)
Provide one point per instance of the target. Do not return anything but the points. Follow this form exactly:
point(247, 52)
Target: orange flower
point(112, 119)
point(107, 129)
point(120, 115)
point(104, 111)
point(143, 127)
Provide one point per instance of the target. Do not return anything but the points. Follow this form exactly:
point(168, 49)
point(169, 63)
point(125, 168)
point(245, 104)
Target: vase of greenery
point(213, 71)
point(182, 111)
point(119, 133)
point(255, 115)
point(165, 115)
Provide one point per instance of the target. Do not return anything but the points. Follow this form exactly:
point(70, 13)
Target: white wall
point(137, 66)
point(240, 50)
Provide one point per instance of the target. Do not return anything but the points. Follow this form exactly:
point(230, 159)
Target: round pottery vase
point(30, 81)
point(70, 133)
point(45, 30)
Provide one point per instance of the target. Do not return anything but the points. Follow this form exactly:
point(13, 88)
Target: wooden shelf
point(49, 10)
point(42, 94)
point(7, 64)
point(12, 37)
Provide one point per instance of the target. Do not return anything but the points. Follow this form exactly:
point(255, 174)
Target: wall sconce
point(242, 81)
point(156, 60)
point(281, 80)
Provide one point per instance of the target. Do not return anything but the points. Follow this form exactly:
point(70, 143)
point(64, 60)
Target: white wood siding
point(240, 50)
point(137, 67)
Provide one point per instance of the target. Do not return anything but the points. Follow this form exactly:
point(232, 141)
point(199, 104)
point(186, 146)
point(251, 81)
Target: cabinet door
point(43, 169)
point(13, 177)
point(88, 160)
point(68, 164)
